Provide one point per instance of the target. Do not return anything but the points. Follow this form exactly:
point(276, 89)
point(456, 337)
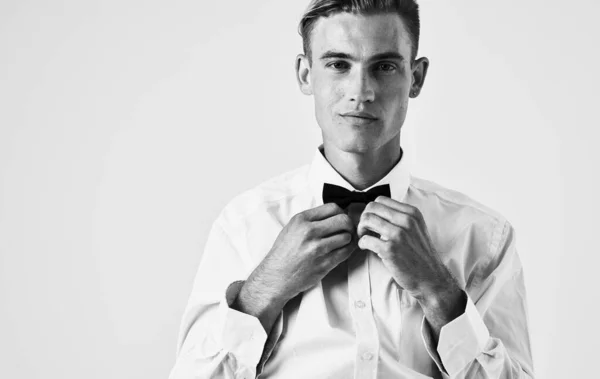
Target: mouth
point(359, 118)
point(360, 115)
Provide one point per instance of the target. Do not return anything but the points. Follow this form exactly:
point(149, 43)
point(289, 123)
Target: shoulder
point(475, 237)
point(452, 200)
point(270, 193)
point(456, 216)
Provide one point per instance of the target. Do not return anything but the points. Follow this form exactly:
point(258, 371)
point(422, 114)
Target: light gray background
point(125, 127)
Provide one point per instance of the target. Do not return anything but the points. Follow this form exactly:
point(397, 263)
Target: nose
point(361, 87)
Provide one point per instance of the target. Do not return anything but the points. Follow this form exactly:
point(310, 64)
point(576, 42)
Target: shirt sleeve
point(216, 341)
point(490, 340)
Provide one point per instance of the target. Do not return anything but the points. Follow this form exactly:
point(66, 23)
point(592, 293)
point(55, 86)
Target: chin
point(356, 145)
point(348, 139)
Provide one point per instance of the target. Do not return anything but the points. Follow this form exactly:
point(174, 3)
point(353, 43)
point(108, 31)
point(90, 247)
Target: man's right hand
point(312, 244)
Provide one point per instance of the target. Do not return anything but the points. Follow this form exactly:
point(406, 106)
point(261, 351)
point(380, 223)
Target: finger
point(412, 223)
point(403, 215)
point(335, 224)
point(382, 210)
point(335, 241)
point(323, 211)
point(375, 223)
point(399, 206)
point(375, 245)
point(342, 253)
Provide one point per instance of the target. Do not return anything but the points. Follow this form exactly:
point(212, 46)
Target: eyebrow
point(332, 54)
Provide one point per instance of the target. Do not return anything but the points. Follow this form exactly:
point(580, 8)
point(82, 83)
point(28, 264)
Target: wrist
point(258, 303)
point(443, 306)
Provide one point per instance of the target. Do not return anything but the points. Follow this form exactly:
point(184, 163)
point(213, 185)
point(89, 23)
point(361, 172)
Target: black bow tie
point(343, 197)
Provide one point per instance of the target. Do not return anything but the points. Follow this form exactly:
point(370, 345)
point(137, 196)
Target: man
point(350, 267)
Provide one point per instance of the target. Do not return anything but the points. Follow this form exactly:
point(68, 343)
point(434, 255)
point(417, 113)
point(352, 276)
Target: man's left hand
point(406, 249)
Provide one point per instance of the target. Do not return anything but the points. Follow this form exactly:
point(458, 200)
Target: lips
point(359, 118)
point(360, 115)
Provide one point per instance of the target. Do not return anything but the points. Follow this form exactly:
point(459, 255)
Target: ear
point(419, 71)
point(303, 74)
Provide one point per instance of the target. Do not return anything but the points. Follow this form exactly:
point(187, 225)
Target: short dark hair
point(408, 10)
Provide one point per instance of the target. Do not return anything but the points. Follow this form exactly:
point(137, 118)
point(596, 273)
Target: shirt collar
point(321, 172)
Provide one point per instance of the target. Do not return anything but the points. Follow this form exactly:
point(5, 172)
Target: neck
point(365, 168)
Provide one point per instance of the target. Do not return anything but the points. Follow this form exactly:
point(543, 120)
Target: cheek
point(398, 108)
point(394, 98)
point(326, 89)
point(328, 96)
point(397, 87)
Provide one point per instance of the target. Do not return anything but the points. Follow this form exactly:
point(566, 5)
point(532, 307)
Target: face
point(361, 78)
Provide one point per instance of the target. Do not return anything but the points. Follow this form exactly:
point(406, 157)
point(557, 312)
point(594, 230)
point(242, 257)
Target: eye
point(386, 67)
point(338, 65)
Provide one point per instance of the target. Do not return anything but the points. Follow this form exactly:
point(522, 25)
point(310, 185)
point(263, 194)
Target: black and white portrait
point(310, 189)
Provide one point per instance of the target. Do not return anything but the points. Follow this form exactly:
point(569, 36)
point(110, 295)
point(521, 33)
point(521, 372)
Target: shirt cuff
point(460, 342)
point(241, 334)
point(272, 340)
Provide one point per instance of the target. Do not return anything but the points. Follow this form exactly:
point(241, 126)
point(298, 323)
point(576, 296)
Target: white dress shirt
point(357, 322)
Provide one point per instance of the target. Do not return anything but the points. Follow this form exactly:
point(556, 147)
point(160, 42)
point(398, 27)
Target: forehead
point(361, 35)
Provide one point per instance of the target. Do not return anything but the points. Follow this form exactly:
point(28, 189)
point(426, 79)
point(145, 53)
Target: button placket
point(366, 356)
point(367, 338)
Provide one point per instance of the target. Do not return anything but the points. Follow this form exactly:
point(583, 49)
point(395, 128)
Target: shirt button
point(359, 304)
point(367, 356)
